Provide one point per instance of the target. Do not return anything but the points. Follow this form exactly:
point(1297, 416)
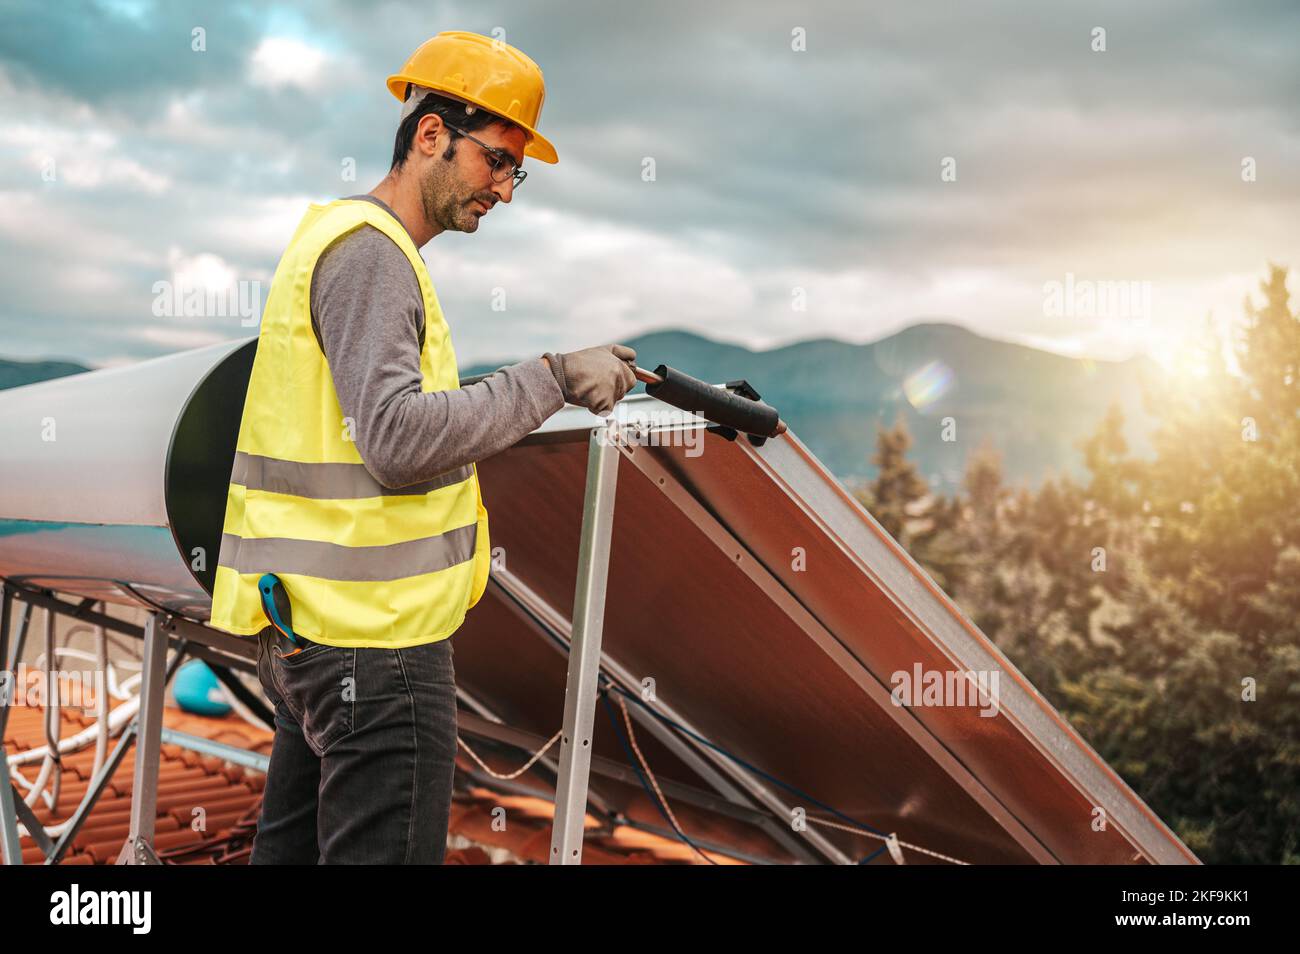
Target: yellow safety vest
point(363, 564)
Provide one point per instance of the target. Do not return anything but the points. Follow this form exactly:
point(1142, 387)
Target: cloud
point(204, 271)
point(776, 170)
point(90, 160)
point(284, 61)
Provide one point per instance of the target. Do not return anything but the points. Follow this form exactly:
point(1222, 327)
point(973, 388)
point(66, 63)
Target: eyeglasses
point(503, 167)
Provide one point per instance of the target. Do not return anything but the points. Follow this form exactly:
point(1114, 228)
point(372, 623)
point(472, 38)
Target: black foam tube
point(714, 404)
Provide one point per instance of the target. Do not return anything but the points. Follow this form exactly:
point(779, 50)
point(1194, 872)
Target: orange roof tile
point(230, 796)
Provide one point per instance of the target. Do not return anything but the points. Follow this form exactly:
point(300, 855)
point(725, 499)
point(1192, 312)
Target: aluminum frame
point(584, 653)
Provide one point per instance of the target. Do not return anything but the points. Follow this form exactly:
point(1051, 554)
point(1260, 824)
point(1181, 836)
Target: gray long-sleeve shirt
point(368, 315)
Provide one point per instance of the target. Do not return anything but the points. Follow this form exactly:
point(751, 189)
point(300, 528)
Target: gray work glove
point(595, 378)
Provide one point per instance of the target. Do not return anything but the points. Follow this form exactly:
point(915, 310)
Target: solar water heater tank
point(113, 482)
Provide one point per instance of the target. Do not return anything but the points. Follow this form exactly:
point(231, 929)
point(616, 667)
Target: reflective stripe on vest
point(363, 564)
point(333, 562)
point(327, 481)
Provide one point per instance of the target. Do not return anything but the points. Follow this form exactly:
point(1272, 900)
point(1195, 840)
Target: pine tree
point(899, 491)
point(901, 501)
point(1157, 604)
point(1207, 584)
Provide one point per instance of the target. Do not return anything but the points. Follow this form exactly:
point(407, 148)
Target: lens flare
point(927, 384)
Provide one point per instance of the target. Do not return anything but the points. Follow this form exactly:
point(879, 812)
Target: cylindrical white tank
point(113, 483)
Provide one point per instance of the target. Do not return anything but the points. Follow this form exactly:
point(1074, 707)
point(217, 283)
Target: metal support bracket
point(148, 747)
point(584, 651)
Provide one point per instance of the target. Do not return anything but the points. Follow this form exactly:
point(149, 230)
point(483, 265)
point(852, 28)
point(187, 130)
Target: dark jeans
point(364, 753)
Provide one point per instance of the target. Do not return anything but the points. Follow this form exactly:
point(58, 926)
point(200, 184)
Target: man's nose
point(504, 190)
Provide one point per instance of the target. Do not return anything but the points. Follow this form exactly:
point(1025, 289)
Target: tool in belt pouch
point(279, 613)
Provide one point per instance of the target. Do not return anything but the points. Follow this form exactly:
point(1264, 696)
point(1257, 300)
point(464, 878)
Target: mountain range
point(944, 380)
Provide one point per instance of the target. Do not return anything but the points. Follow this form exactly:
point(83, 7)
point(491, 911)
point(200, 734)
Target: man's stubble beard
point(439, 194)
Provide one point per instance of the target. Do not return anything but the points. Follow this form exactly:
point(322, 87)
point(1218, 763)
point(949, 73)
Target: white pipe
point(117, 718)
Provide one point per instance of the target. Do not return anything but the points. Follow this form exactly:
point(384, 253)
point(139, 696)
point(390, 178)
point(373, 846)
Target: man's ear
point(427, 131)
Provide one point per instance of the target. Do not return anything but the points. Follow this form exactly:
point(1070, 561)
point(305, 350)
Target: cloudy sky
point(836, 169)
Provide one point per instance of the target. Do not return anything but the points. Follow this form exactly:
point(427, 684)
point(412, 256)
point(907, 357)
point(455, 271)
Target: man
point(354, 523)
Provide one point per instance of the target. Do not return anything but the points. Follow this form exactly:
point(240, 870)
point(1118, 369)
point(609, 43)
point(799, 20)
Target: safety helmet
point(488, 73)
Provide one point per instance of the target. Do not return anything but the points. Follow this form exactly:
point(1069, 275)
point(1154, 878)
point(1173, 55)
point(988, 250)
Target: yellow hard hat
point(483, 71)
